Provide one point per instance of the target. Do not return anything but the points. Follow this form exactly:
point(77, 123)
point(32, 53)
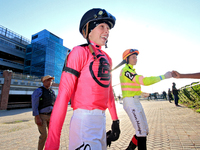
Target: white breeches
point(88, 130)
point(135, 111)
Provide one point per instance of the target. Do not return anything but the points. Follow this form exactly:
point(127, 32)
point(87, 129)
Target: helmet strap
point(85, 35)
point(85, 32)
point(106, 46)
point(127, 60)
point(91, 49)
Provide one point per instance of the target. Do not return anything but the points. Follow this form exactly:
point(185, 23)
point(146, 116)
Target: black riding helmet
point(91, 19)
point(95, 15)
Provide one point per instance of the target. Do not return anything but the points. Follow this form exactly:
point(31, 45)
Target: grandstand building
point(44, 55)
point(23, 63)
point(12, 50)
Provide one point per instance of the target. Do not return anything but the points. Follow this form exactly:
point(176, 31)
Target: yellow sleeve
point(148, 80)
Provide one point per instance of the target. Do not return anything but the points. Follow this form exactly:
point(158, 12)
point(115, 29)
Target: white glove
point(168, 75)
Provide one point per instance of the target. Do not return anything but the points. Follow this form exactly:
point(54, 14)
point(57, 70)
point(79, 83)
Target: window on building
point(34, 37)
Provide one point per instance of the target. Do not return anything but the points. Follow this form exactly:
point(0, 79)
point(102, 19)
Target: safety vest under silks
point(131, 82)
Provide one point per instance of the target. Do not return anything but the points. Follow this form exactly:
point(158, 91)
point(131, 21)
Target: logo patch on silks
point(100, 71)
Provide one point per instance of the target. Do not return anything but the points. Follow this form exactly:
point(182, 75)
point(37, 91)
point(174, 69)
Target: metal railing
point(22, 76)
point(26, 77)
point(14, 36)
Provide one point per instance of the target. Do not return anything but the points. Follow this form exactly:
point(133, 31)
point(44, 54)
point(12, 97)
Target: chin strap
point(106, 46)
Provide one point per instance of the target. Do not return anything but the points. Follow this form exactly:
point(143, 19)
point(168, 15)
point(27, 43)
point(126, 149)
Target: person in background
point(86, 79)
point(164, 95)
point(43, 99)
point(176, 74)
point(155, 95)
point(131, 91)
point(175, 93)
point(119, 98)
point(169, 95)
point(149, 97)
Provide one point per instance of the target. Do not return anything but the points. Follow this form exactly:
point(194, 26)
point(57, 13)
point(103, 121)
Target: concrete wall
point(14, 87)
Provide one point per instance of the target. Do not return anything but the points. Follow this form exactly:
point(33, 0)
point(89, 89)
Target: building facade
point(12, 50)
point(22, 63)
point(45, 55)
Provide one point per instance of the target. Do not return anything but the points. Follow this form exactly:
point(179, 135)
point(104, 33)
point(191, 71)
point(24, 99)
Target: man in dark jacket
point(43, 99)
point(175, 93)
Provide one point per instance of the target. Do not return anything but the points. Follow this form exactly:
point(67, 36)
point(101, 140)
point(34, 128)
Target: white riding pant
point(88, 130)
point(135, 111)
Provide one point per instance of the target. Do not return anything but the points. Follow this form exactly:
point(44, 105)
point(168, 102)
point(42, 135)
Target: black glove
point(115, 130)
point(114, 134)
point(108, 139)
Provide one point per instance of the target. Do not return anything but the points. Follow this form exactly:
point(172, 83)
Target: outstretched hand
point(175, 74)
point(168, 75)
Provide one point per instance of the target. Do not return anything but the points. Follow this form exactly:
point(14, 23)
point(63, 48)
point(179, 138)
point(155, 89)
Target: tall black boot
point(133, 143)
point(131, 146)
point(142, 143)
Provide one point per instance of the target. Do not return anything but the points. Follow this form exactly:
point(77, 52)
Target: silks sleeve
point(111, 104)
point(111, 100)
point(66, 88)
point(147, 80)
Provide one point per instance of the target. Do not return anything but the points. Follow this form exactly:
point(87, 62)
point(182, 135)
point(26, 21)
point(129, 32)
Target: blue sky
point(166, 32)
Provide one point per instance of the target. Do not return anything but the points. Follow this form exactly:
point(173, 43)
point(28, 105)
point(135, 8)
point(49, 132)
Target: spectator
point(175, 93)
point(169, 95)
point(155, 95)
point(164, 95)
point(149, 97)
point(43, 99)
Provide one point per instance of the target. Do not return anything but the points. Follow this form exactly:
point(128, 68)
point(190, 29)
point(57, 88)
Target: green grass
point(198, 110)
